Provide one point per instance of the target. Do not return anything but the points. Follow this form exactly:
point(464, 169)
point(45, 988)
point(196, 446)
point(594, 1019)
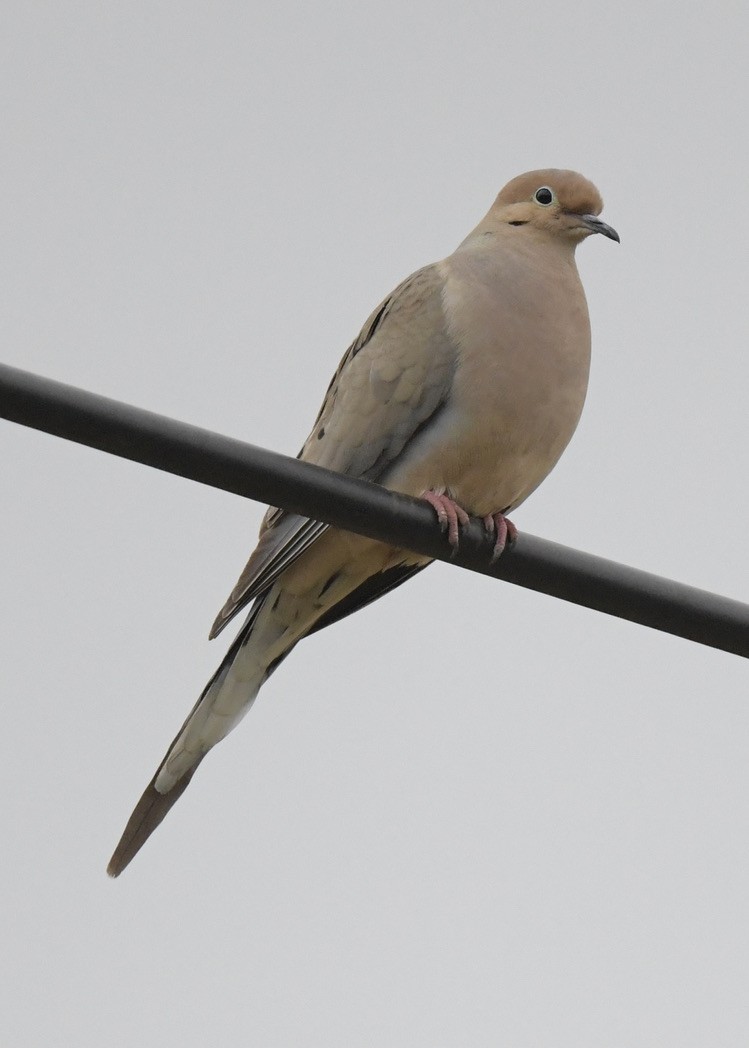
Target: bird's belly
point(497, 438)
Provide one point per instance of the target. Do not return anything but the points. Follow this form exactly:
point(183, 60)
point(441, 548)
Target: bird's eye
point(543, 196)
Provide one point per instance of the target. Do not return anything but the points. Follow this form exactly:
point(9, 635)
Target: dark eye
point(543, 196)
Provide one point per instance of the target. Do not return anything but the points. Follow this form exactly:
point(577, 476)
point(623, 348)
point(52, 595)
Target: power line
point(252, 472)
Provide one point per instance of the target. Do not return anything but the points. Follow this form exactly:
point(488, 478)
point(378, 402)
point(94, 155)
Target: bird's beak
point(595, 225)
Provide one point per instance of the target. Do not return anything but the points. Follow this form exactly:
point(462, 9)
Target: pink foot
point(504, 531)
point(449, 514)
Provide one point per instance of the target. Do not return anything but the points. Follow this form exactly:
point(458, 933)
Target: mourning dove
point(464, 387)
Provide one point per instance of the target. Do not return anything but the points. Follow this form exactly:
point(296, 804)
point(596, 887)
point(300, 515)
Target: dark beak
point(595, 225)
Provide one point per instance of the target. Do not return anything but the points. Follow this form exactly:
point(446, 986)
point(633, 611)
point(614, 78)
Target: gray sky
point(470, 815)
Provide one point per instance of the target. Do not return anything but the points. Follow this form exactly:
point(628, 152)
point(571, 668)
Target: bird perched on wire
point(463, 387)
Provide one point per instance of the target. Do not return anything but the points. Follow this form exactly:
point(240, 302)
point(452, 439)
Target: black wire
point(357, 505)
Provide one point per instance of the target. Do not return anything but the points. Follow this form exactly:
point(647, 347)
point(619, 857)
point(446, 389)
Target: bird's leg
point(452, 517)
point(503, 530)
point(449, 514)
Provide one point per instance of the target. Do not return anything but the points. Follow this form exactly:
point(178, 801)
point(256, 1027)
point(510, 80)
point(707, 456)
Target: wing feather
point(392, 381)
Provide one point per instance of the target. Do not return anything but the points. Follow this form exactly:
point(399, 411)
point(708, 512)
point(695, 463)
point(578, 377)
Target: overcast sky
point(470, 815)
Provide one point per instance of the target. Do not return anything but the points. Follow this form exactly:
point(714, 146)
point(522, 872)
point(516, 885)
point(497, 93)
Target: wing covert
point(393, 379)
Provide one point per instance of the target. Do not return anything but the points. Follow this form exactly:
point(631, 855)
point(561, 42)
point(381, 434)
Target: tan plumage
point(468, 380)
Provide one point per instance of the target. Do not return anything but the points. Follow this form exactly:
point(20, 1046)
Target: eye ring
point(544, 196)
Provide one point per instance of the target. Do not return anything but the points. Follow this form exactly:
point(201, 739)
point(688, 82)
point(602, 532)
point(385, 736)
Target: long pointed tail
point(351, 574)
point(226, 698)
point(150, 810)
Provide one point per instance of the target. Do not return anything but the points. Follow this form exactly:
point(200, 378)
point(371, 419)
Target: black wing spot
point(333, 578)
point(366, 336)
point(273, 666)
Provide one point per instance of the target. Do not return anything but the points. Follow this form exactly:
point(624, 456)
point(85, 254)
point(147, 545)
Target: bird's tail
point(148, 813)
point(226, 698)
point(289, 611)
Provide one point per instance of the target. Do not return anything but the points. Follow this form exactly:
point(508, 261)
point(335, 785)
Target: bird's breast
point(523, 355)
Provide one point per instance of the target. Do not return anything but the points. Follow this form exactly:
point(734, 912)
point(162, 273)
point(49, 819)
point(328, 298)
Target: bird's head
point(562, 203)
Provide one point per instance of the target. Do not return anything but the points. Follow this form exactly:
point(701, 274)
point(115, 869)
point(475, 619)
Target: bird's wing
point(391, 383)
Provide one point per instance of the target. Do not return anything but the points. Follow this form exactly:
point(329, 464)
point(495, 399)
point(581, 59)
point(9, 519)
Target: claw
point(450, 515)
point(504, 530)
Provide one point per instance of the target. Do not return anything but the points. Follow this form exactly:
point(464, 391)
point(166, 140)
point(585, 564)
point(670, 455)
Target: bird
point(463, 387)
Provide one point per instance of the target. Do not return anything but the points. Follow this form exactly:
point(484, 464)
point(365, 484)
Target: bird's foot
point(502, 530)
point(449, 514)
